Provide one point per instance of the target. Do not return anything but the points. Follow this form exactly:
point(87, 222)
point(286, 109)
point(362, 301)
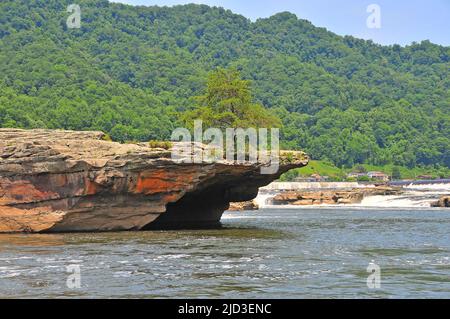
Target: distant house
point(319, 178)
point(425, 177)
point(378, 176)
point(356, 175)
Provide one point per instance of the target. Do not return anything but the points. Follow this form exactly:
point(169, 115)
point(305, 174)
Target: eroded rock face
point(56, 181)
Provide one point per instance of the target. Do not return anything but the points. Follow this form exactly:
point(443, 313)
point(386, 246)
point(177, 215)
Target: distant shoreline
point(279, 186)
point(421, 193)
point(420, 182)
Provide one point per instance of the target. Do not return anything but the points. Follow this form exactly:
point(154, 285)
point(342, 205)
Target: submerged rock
point(241, 206)
point(444, 201)
point(60, 181)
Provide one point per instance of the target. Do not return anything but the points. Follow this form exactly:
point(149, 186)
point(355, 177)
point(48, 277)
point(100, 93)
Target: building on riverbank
point(378, 176)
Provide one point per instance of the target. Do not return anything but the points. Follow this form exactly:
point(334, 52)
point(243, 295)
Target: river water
point(271, 253)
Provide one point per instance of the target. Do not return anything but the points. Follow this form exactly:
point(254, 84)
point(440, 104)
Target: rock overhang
point(61, 181)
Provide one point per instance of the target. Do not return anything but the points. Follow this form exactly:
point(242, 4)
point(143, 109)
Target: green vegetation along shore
point(333, 173)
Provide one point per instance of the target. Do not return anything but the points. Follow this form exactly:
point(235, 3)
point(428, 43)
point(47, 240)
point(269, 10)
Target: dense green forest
point(131, 71)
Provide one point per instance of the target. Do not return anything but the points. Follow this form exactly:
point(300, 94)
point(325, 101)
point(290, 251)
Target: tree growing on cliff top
point(228, 103)
point(396, 174)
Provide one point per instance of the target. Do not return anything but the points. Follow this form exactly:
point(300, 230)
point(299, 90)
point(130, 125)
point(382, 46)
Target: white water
point(419, 196)
point(262, 198)
point(435, 187)
point(395, 201)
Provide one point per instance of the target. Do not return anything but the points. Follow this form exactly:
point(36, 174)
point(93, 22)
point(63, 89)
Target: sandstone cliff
point(57, 181)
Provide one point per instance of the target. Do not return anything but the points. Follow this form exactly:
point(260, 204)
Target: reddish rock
point(57, 181)
point(444, 201)
point(241, 206)
point(303, 202)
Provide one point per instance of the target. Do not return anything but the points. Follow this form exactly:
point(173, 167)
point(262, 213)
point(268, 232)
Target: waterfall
point(396, 201)
point(415, 195)
point(429, 187)
point(262, 198)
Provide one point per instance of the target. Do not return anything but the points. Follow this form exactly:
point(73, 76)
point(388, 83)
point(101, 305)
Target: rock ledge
point(61, 181)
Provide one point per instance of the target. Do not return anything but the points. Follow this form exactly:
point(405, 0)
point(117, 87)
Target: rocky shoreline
point(243, 206)
point(444, 201)
point(331, 197)
point(66, 181)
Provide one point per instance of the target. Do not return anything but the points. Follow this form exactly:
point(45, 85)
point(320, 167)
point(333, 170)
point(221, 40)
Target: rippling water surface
point(271, 253)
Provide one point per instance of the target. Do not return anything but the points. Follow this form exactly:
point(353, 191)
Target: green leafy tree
point(360, 169)
point(228, 103)
point(396, 175)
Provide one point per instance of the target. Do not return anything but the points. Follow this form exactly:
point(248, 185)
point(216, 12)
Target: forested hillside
point(131, 70)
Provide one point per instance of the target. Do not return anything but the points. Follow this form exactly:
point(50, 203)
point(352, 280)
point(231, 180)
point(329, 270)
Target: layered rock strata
point(61, 181)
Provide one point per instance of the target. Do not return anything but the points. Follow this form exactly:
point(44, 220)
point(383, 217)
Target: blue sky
point(402, 21)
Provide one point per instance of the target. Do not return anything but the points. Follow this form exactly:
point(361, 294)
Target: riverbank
point(331, 197)
point(336, 174)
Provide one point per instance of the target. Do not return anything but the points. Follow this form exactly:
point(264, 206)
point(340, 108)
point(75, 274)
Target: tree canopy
point(228, 103)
